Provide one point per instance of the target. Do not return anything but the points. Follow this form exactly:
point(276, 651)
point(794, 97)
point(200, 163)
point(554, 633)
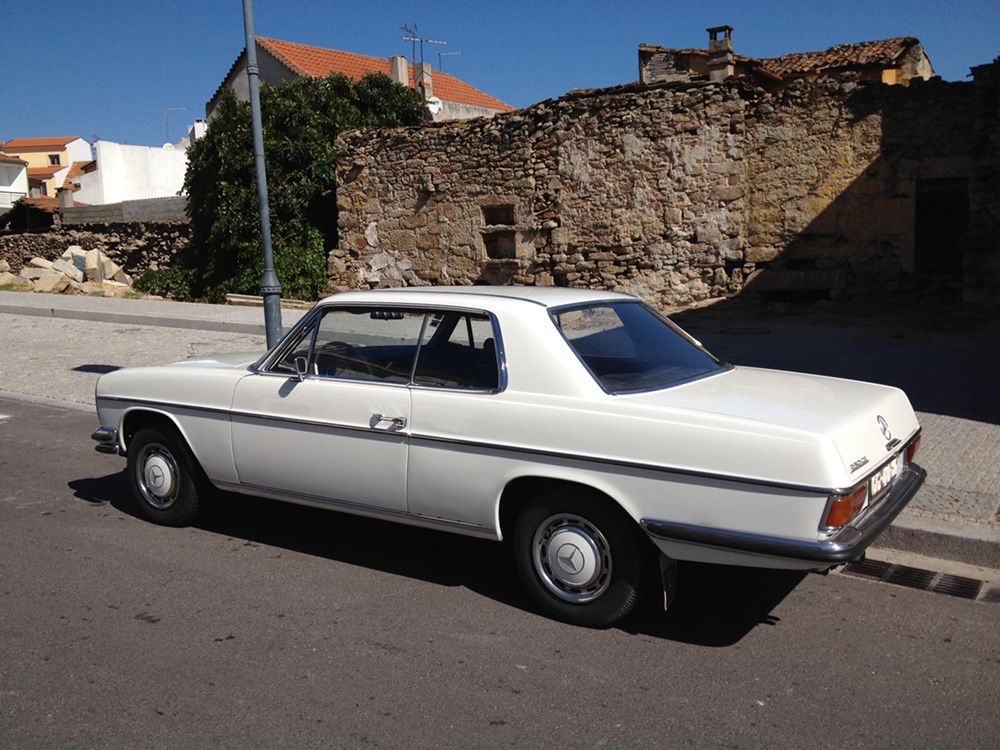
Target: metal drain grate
point(915, 578)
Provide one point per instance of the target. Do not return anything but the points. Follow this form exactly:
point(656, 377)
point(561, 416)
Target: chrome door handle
point(397, 422)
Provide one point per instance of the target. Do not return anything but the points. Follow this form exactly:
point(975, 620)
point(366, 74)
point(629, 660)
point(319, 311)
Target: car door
point(338, 433)
point(453, 473)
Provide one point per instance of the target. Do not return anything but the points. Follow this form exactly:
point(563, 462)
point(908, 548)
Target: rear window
point(628, 347)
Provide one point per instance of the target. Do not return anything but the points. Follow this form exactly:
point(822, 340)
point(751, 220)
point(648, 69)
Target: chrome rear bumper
point(845, 545)
point(107, 440)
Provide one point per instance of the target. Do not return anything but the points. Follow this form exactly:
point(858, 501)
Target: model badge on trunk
point(859, 463)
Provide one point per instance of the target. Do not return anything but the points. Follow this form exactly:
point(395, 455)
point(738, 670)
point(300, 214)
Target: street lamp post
point(270, 287)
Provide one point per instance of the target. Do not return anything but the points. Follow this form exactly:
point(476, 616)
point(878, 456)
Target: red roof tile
point(42, 203)
point(881, 52)
point(4, 159)
point(76, 169)
point(319, 62)
point(43, 173)
point(40, 144)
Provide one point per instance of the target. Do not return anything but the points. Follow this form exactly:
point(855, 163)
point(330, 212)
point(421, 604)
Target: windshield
point(628, 347)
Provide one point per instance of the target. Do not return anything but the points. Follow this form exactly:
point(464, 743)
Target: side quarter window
point(458, 350)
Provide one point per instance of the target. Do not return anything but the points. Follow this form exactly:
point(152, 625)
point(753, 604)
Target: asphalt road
point(275, 626)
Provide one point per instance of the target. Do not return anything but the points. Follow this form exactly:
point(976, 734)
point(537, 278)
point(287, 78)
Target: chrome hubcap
point(157, 476)
point(572, 558)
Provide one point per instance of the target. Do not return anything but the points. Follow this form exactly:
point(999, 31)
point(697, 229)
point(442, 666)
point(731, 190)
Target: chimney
point(197, 130)
point(721, 61)
point(423, 80)
point(65, 197)
point(398, 71)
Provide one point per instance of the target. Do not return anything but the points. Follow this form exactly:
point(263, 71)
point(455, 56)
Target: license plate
point(884, 477)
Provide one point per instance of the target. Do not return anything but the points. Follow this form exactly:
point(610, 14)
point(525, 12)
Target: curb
point(50, 402)
point(975, 544)
point(135, 319)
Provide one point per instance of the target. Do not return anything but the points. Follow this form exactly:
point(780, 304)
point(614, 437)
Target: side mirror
point(301, 367)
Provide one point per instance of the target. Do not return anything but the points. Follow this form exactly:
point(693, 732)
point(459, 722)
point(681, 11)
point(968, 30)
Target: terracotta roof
point(319, 62)
point(4, 159)
point(42, 203)
point(76, 169)
point(881, 52)
point(692, 51)
point(43, 173)
point(40, 144)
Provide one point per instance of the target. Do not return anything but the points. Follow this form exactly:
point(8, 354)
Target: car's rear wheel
point(164, 477)
point(580, 558)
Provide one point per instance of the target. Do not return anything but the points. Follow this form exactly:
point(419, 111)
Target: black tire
point(165, 478)
point(581, 558)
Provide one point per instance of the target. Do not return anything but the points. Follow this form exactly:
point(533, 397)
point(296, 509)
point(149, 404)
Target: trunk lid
point(867, 422)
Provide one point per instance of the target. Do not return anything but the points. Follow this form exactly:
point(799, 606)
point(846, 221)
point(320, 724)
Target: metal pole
point(270, 287)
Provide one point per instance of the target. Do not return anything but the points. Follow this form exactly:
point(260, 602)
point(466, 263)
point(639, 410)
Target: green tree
point(301, 120)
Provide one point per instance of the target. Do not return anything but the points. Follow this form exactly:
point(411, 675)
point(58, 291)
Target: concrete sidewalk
point(149, 312)
point(55, 347)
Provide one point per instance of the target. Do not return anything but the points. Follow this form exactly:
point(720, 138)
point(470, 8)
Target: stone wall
point(683, 192)
point(638, 189)
point(134, 247)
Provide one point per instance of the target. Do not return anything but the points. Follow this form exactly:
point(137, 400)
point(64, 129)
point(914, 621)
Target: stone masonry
point(135, 247)
point(683, 192)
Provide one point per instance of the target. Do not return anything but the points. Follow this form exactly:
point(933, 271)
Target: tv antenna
point(411, 36)
point(166, 118)
point(445, 54)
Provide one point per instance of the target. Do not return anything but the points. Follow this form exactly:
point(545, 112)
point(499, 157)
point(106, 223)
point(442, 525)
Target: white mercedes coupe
point(583, 428)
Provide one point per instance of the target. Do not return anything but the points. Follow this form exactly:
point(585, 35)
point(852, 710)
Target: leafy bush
point(301, 120)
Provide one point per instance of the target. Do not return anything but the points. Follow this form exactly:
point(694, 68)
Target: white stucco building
point(121, 172)
point(13, 180)
point(50, 160)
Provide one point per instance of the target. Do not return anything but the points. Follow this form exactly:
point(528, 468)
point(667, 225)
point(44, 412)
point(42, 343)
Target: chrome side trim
point(168, 404)
point(844, 546)
point(358, 509)
point(574, 457)
point(107, 440)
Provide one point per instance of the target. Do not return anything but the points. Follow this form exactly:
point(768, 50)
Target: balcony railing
point(8, 197)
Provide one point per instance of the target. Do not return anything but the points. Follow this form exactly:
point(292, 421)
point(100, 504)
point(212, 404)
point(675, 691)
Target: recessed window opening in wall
point(941, 217)
point(501, 213)
point(500, 245)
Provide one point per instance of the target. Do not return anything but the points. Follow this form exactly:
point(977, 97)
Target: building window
point(53, 160)
point(499, 231)
point(502, 213)
point(500, 245)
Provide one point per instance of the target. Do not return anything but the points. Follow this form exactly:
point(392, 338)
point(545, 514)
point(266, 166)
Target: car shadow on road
point(716, 605)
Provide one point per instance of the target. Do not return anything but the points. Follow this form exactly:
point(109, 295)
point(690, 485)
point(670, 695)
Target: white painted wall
point(132, 172)
point(78, 150)
point(13, 183)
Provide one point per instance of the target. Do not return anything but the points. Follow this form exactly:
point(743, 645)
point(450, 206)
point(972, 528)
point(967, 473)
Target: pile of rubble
point(78, 271)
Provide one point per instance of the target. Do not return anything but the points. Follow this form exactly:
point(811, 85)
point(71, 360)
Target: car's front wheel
point(163, 476)
point(581, 559)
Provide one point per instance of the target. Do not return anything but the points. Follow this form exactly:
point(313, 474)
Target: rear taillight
point(842, 508)
point(911, 449)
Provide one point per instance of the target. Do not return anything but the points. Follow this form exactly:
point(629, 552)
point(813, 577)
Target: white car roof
point(480, 296)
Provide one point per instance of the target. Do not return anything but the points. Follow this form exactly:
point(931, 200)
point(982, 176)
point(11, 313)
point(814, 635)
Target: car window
point(628, 347)
point(458, 350)
point(376, 344)
point(301, 348)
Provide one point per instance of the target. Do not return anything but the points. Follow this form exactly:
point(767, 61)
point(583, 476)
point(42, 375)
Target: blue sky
point(112, 69)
